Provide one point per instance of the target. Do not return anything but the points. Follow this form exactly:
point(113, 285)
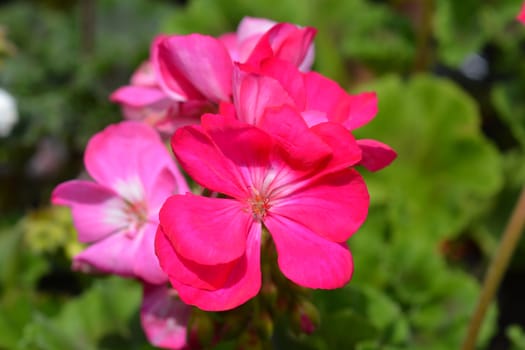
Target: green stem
point(497, 268)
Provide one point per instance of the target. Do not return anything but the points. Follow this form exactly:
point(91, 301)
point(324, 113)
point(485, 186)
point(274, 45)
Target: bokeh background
point(450, 76)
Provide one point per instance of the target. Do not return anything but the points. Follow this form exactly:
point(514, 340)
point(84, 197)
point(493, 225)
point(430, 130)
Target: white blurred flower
point(8, 113)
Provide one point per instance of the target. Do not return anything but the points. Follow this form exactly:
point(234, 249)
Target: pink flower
point(521, 15)
point(274, 82)
point(293, 180)
point(199, 67)
point(144, 100)
point(118, 213)
point(164, 317)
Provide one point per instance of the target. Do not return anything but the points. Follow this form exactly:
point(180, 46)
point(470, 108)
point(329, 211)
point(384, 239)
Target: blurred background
point(450, 76)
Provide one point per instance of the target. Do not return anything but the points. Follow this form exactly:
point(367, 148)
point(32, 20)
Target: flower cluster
point(268, 145)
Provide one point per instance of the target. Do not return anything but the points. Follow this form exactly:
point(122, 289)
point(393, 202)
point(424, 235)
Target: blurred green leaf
point(446, 172)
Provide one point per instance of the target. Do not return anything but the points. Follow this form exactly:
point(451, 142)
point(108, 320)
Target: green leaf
point(446, 172)
point(103, 309)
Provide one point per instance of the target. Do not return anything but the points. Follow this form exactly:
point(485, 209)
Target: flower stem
point(496, 269)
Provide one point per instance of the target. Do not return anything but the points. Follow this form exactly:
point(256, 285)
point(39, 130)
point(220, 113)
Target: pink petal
point(229, 40)
point(308, 259)
point(284, 41)
point(376, 155)
point(144, 75)
point(303, 148)
point(202, 60)
point(363, 108)
point(169, 77)
point(205, 163)
point(253, 93)
point(138, 96)
point(325, 95)
point(242, 284)
point(290, 78)
point(206, 230)
point(290, 43)
point(334, 206)
point(250, 26)
point(345, 150)
point(164, 317)
point(125, 254)
point(91, 208)
point(114, 154)
point(187, 272)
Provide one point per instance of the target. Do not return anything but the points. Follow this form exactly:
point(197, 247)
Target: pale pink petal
point(128, 254)
point(144, 75)
point(308, 259)
point(313, 117)
point(164, 317)
point(229, 40)
point(308, 59)
point(253, 93)
point(113, 155)
point(202, 60)
point(92, 207)
point(250, 26)
point(187, 272)
point(334, 206)
point(242, 284)
point(138, 96)
point(204, 162)
point(376, 155)
point(206, 230)
point(146, 263)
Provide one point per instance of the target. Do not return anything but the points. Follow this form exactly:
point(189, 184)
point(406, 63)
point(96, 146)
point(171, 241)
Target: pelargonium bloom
point(164, 317)
point(199, 67)
point(274, 82)
point(117, 213)
point(309, 200)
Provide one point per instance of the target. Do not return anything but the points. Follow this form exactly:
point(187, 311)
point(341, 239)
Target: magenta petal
point(334, 206)
point(345, 150)
point(376, 155)
point(303, 148)
point(291, 43)
point(521, 15)
point(363, 108)
point(164, 317)
point(206, 230)
point(209, 277)
point(202, 60)
point(253, 93)
point(242, 284)
point(195, 148)
point(308, 259)
point(92, 208)
point(124, 254)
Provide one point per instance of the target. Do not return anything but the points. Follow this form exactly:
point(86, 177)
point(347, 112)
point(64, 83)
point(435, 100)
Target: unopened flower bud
point(305, 317)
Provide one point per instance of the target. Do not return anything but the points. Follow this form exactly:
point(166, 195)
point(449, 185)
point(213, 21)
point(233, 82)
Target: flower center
point(259, 205)
point(136, 214)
